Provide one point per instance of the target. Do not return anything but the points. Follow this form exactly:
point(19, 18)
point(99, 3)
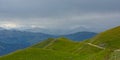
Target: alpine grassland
point(104, 46)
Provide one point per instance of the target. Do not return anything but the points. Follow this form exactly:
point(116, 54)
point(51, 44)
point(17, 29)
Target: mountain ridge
point(73, 50)
point(24, 38)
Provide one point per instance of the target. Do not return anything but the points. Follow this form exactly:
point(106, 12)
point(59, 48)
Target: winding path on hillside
point(95, 46)
point(50, 44)
point(118, 50)
point(77, 50)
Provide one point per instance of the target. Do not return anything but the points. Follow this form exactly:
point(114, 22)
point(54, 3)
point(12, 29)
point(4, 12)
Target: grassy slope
point(65, 49)
point(108, 39)
point(60, 44)
point(39, 54)
point(115, 55)
point(61, 49)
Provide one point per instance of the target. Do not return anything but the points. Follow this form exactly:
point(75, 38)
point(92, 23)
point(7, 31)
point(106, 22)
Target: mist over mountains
point(59, 30)
point(51, 31)
point(104, 46)
point(12, 40)
point(18, 36)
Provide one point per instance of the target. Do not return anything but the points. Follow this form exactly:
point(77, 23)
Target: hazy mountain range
point(104, 46)
point(12, 40)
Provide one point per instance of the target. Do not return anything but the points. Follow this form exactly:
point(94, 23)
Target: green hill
point(39, 54)
point(101, 46)
point(108, 39)
point(50, 49)
point(59, 44)
point(104, 46)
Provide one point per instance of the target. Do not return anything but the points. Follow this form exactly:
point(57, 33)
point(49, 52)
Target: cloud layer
point(60, 16)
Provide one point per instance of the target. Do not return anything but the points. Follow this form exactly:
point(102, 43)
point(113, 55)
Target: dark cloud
point(48, 8)
point(61, 15)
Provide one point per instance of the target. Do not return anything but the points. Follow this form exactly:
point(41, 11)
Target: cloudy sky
point(60, 16)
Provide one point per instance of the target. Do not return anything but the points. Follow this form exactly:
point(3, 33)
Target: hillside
point(50, 49)
point(104, 46)
point(13, 38)
point(40, 54)
point(59, 44)
point(108, 39)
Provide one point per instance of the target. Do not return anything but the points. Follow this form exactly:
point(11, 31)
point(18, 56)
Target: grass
point(60, 44)
point(40, 54)
point(65, 49)
point(108, 39)
point(115, 55)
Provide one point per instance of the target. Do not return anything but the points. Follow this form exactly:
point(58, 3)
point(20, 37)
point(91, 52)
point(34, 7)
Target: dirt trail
point(90, 45)
point(118, 50)
point(95, 46)
point(50, 43)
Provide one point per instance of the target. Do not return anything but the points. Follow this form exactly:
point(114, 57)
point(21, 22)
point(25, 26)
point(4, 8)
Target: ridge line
point(50, 44)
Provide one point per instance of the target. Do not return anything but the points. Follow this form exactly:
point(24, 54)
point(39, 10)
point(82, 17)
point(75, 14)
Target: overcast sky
point(60, 16)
